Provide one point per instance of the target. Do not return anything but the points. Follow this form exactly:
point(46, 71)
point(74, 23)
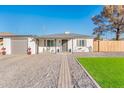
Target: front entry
point(64, 45)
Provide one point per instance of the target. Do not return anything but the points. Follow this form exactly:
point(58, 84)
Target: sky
point(48, 19)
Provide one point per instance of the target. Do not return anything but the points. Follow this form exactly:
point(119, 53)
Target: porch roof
point(65, 36)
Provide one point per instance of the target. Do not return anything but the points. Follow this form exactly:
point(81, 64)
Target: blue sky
point(40, 20)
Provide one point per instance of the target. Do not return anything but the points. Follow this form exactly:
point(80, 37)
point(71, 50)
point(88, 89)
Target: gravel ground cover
point(30, 71)
point(42, 70)
point(79, 78)
point(99, 54)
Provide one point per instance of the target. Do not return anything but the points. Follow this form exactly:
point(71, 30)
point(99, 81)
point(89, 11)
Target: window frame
point(50, 43)
point(81, 43)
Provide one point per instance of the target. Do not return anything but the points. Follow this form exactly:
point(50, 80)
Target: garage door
point(19, 46)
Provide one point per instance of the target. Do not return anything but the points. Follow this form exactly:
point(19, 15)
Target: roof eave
point(64, 37)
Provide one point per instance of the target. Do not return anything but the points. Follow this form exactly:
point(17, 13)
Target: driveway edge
point(97, 85)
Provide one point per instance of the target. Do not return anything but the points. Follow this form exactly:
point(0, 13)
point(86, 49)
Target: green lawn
point(108, 72)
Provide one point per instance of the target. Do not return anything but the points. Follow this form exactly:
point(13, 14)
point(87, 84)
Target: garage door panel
point(19, 46)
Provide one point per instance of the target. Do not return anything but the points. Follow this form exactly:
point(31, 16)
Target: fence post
point(98, 45)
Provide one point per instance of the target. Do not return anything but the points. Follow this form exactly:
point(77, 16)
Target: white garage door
point(19, 46)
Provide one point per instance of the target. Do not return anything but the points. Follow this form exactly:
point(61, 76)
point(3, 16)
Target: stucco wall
point(32, 45)
point(41, 48)
point(70, 45)
point(87, 48)
point(7, 45)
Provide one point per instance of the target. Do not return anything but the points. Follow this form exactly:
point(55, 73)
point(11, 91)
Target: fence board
point(108, 46)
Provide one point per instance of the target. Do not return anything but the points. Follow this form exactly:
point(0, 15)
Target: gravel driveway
point(29, 71)
point(44, 70)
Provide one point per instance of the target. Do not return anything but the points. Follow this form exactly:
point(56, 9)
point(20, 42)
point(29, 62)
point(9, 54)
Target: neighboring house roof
point(8, 34)
point(16, 35)
point(5, 33)
point(65, 36)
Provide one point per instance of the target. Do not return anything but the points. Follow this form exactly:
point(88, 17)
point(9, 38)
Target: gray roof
point(65, 36)
point(17, 36)
point(53, 36)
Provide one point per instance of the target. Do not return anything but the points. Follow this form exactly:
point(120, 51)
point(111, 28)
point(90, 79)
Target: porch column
point(45, 45)
point(37, 41)
point(55, 45)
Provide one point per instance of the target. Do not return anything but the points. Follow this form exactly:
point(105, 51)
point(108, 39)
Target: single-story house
point(54, 43)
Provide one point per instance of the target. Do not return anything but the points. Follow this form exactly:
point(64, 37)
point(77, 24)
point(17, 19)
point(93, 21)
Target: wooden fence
point(108, 46)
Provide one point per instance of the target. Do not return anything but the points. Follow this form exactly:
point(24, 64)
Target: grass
point(108, 72)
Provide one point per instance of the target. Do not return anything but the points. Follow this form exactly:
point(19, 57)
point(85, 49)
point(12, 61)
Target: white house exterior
point(67, 42)
point(18, 44)
point(55, 43)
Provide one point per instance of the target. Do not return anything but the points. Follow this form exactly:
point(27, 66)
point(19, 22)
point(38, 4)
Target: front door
point(64, 45)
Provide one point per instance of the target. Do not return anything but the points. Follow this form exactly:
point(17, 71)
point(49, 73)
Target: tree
point(101, 26)
point(110, 19)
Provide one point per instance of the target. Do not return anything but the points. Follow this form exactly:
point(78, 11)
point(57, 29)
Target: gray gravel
point(42, 70)
point(79, 78)
point(30, 71)
point(99, 54)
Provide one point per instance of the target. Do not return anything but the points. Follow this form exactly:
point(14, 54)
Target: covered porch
point(55, 45)
point(65, 42)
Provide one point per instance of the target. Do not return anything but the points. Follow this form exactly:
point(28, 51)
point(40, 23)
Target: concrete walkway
point(64, 76)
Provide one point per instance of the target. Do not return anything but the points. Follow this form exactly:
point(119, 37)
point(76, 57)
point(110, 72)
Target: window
point(81, 43)
point(59, 43)
point(50, 43)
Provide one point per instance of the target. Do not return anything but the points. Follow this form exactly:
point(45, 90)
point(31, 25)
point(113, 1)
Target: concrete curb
point(97, 85)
